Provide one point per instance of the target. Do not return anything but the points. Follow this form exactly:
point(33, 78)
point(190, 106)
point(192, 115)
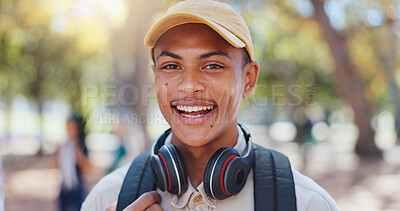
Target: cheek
point(229, 95)
point(166, 91)
point(234, 93)
point(162, 90)
point(235, 97)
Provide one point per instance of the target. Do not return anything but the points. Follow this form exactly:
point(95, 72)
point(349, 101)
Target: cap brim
point(176, 19)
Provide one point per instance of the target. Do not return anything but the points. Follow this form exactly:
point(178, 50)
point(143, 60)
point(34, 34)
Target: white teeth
point(190, 116)
point(194, 108)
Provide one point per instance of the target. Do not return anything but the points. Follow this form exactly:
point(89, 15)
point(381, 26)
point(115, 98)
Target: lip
point(192, 103)
point(189, 120)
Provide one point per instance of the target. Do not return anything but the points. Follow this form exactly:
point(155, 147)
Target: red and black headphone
point(225, 175)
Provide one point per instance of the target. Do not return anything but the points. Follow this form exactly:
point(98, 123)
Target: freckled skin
point(219, 78)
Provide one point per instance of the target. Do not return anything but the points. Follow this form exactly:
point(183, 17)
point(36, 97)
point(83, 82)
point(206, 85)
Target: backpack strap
point(138, 180)
point(273, 181)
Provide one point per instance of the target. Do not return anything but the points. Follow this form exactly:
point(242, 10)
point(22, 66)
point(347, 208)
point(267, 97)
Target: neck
point(196, 158)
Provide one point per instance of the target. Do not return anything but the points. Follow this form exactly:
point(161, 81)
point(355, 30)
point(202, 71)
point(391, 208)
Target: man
point(203, 68)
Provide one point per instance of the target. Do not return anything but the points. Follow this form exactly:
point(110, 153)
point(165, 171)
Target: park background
point(328, 93)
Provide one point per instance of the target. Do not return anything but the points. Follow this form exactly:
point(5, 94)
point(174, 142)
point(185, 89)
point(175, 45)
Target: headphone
point(225, 175)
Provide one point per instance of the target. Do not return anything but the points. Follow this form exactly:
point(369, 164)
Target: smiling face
point(200, 82)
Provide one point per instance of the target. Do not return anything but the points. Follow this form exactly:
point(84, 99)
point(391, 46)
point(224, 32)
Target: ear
point(250, 74)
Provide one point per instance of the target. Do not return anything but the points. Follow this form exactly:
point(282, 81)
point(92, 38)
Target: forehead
point(192, 36)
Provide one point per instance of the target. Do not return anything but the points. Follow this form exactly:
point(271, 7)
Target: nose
point(190, 82)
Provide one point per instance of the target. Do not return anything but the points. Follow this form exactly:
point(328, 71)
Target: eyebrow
point(168, 53)
point(214, 53)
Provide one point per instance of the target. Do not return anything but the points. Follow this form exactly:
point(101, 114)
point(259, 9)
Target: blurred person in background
point(120, 154)
point(71, 160)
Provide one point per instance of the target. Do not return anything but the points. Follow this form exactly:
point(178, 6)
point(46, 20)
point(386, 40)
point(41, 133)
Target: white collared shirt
point(309, 195)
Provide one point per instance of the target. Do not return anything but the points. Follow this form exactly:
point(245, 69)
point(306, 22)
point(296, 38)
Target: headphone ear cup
point(207, 172)
point(181, 170)
point(214, 178)
point(159, 172)
point(174, 170)
point(235, 176)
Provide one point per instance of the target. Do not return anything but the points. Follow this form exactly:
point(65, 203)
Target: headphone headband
point(160, 141)
point(247, 137)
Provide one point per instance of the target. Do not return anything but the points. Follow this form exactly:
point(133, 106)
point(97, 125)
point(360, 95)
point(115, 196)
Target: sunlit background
point(328, 95)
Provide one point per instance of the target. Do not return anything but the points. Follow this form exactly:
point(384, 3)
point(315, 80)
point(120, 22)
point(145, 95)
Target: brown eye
point(170, 66)
point(213, 66)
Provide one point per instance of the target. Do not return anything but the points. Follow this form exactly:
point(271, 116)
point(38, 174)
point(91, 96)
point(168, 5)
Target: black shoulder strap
point(138, 180)
point(273, 181)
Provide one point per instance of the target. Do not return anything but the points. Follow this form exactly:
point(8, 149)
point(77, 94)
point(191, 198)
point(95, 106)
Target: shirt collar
point(186, 198)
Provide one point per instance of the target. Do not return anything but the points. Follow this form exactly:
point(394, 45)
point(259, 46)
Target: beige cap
point(219, 16)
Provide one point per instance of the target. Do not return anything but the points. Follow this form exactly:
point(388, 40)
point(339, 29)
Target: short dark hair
point(246, 57)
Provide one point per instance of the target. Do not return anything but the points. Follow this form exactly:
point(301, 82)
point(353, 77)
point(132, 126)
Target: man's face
point(72, 129)
point(200, 82)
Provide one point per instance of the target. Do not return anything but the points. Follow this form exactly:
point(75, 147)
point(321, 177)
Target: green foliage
point(43, 61)
point(291, 52)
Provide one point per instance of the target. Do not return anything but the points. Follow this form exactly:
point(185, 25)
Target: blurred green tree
point(348, 83)
point(131, 63)
point(43, 52)
point(356, 44)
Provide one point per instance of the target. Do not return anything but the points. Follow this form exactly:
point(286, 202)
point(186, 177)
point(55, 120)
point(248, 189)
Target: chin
point(194, 137)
